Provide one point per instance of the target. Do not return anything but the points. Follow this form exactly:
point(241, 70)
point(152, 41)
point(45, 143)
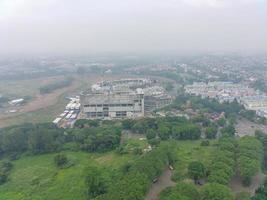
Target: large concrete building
point(116, 104)
point(121, 84)
point(155, 97)
point(124, 98)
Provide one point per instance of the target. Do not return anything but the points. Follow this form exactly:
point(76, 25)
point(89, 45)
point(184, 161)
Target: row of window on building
point(108, 105)
point(106, 114)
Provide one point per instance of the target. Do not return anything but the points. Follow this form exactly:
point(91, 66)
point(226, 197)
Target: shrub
point(60, 160)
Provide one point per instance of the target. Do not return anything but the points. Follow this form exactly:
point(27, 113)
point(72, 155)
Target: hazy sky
point(95, 26)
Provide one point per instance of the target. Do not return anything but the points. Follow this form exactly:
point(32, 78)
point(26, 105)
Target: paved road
point(163, 182)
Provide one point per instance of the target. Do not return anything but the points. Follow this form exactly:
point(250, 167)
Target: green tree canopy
point(216, 191)
point(196, 170)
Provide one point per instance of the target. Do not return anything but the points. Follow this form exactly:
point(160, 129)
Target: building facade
point(116, 104)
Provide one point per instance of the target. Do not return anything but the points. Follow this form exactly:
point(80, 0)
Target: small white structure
point(57, 120)
point(63, 114)
point(16, 102)
point(68, 116)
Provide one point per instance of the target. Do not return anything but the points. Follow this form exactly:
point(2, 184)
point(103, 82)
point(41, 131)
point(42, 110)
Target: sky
point(132, 26)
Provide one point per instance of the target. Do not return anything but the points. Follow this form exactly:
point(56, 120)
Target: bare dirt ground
point(126, 134)
point(41, 101)
point(236, 184)
point(163, 182)
point(245, 127)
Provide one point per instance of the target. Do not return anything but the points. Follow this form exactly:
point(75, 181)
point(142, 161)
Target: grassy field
point(189, 151)
point(20, 88)
point(37, 178)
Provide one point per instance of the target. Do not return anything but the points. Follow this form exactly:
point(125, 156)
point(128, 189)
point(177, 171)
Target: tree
point(211, 132)
point(169, 86)
point(151, 134)
point(3, 178)
point(182, 191)
point(95, 181)
point(164, 132)
point(127, 124)
point(5, 168)
point(81, 123)
point(216, 191)
point(42, 141)
point(139, 127)
point(154, 141)
point(14, 139)
point(186, 132)
point(223, 163)
point(261, 136)
point(60, 160)
point(134, 184)
point(228, 130)
point(250, 157)
point(205, 143)
point(221, 122)
point(196, 170)
point(261, 192)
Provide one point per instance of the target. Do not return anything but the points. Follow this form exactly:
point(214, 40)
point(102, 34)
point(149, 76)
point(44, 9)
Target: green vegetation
point(188, 152)
point(44, 138)
point(261, 193)
point(206, 105)
point(81, 123)
point(140, 174)
point(132, 146)
point(211, 131)
point(94, 161)
point(54, 86)
point(182, 191)
point(168, 86)
point(177, 128)
point(250, 156)
point(223, 163)
point(228, 130)
point(196, 170)
point(5, 168)
point(37, 177)
point(216, 191)
point(96, 182)
point(263, 138)
point(61, 160)
point(260, 85)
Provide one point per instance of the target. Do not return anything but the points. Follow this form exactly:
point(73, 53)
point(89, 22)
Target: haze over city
point(139, 26)
point(133, 99)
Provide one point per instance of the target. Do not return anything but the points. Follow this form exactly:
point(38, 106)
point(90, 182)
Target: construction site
point(117, 99)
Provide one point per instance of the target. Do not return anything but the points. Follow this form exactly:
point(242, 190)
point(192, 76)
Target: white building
point(16, 102)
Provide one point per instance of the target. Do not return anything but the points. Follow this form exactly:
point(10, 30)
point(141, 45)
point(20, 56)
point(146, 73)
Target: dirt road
point(163, 182)
point(245, 127)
